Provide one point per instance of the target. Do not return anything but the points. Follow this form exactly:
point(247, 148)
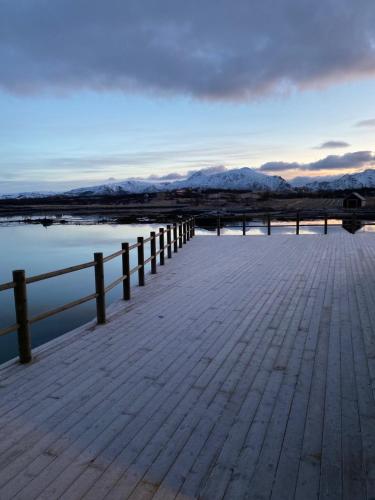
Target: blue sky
point(57, 136)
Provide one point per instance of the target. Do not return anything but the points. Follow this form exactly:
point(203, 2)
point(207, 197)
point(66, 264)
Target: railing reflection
point(352, 224)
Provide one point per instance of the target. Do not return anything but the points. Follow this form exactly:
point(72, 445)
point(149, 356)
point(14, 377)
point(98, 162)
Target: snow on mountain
point(303, 181)
point(28, 194)
point(115, 189)
point(245, 178)
point(365, 179)
point(236, 179)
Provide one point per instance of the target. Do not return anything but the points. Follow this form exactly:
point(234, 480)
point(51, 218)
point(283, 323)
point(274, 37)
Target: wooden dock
point(244, 369)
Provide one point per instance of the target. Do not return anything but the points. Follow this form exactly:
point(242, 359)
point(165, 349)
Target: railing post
point(169, 241)
point(268, 225)
point(141, 261)
point(325, 225)
point(218, 225)
point(297, 223)
point(188, 230)
point(193, 228)
point(243, 225)
point(161, 245)
point(126, 271)
point(99, 288)
point(180, 235)
point(20, 302)
point(175, 240)
point(153, 252)
point(184, 233)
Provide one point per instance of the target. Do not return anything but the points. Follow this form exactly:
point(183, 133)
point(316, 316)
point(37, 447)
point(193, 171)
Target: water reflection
point(352, 225)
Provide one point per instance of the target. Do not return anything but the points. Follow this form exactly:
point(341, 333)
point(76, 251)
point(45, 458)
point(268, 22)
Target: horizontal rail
point(250, 226)
point(135, 269)
point(135, 245)
point(330, 212)
point(59, 272)
point(148, 260)
point(113, 256)
point(115, 283)
point(283, 225)
point(63, 308)
point(7, 286)
point(8, 329)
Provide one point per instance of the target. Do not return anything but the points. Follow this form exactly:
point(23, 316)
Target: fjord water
point(37, 249)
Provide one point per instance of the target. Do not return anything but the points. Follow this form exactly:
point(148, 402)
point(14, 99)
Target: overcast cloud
point(358, 159)
point(211, 49)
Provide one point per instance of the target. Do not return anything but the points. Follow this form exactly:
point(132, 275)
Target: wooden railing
point(296, 221)
point(177, 235)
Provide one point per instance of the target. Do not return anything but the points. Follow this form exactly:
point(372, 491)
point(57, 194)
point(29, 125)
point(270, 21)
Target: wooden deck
point(244, 369)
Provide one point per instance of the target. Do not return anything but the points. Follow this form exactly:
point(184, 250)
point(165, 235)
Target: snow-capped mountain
point(245, 178)
point(365, 179)
point(237, 179)
point(303, 181)
point(116, 188)
point(28, 194)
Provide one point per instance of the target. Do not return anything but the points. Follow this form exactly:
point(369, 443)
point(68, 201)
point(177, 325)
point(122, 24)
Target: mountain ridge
point(234, 179)
point(238, 179)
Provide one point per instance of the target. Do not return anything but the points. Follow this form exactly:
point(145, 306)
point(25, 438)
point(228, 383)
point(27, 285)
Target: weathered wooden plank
point(253, 377)
point(291, 361)
point(291, 453)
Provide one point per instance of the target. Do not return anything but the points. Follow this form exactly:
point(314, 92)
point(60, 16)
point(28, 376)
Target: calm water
point(37, 250)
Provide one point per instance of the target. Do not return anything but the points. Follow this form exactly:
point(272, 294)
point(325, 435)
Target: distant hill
point(360, 180)
point(28, 194)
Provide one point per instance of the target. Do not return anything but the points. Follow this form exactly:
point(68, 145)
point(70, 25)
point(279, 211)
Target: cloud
point(210, 49)
point(167, 177)
point(174, 176)
point(333, 145)
point(217, 169)
point(279, 166)
point(354, 160)
point(349, 160)
point(366, 123)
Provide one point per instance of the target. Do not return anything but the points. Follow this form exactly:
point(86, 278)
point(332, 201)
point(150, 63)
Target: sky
point(94, 91)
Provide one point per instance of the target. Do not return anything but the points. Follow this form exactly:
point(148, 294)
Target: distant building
point(354, 200)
